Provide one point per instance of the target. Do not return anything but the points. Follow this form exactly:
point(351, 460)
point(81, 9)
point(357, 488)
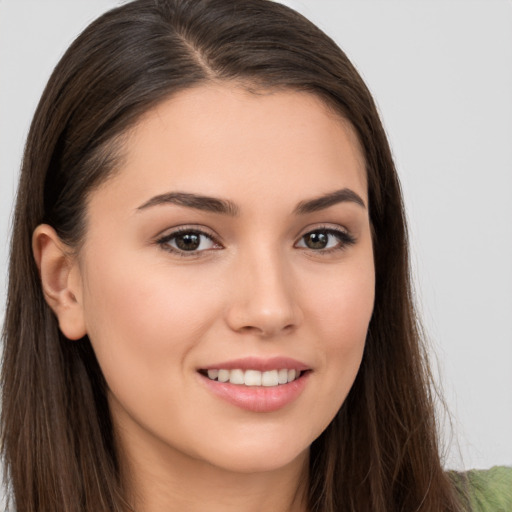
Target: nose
point(262, 298)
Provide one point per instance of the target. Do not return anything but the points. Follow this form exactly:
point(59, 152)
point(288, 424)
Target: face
point(227, 277)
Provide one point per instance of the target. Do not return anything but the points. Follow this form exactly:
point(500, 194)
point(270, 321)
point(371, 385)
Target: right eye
point(191, 241)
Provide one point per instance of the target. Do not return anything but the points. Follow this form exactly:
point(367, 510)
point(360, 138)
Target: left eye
point(322, 239)
point(188, 241)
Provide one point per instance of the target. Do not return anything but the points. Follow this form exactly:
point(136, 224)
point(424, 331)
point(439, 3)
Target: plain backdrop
point(441, 73)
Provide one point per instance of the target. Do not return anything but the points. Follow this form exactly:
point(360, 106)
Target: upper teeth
point(254, 377)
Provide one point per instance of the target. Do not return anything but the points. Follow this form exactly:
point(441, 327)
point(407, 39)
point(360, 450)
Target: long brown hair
point(380, 452)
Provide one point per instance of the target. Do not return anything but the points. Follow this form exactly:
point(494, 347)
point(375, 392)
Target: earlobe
point(60, 280)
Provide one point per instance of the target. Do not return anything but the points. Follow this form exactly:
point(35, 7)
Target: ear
point(60, 279)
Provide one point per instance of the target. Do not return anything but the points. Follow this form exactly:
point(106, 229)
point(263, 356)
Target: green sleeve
point(487, 490)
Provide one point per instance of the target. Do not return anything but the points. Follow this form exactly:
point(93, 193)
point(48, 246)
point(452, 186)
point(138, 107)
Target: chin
point(258, 454)
point(262, 461)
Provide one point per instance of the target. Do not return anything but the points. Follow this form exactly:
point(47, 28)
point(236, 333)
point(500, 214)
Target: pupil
point(188, 242)
point(317, 240)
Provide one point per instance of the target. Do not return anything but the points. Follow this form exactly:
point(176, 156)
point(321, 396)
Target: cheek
point(341, 304)
point(340, 312)
point(141, 317)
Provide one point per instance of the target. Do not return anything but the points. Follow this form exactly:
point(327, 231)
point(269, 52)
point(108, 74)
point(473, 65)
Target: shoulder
point(486, 490)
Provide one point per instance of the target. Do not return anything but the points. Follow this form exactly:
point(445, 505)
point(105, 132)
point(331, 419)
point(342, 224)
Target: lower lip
point(258, 398)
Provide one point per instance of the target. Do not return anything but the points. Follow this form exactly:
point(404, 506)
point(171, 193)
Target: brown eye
point(326, 240)
point(188, 241)
point(316, 240)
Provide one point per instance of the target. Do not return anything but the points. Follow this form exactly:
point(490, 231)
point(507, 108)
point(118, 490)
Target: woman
point(209, 298)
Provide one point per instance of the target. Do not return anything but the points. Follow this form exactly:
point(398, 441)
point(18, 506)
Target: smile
point(269, 378)
point(255, 384)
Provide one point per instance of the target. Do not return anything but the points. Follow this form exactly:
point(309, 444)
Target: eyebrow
point(198, 202)
point(226, 207)
point(321, 203)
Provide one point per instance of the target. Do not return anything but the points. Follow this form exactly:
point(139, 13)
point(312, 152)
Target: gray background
point(441, 72)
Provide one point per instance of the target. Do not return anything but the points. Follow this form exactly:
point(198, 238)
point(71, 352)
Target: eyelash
point(345, 240)
point(163, 242)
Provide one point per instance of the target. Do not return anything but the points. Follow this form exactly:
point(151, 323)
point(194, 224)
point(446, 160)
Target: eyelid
point(346, 238)
point(324, 227)
point(185, 228)
point(167, 235)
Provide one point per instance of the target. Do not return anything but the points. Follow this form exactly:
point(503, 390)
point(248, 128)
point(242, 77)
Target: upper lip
point(259, 363)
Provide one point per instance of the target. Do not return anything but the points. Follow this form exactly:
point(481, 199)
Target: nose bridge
point(262, 299)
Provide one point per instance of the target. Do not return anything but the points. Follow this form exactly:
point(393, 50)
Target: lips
point(257, 385)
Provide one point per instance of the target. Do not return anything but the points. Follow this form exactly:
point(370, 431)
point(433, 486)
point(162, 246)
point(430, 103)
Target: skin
point(155, 317)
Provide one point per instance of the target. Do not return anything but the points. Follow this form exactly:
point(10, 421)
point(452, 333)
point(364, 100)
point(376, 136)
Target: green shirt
point(487, 490)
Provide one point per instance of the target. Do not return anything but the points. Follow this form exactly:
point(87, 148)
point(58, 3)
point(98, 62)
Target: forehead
point(210, 139)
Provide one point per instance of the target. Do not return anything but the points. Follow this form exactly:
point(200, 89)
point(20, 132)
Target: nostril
point(251, 329)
